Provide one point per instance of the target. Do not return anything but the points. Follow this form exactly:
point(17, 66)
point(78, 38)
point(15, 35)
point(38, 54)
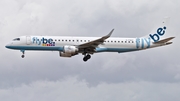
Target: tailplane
point(164, 40)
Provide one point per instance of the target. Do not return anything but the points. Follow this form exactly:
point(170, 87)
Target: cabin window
point(58, 40)
point(16, 39)
point(62, 40)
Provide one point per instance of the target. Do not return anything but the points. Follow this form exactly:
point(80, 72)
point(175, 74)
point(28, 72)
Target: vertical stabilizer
point(160, 31)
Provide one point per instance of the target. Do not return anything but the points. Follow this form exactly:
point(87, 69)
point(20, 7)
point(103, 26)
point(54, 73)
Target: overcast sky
point(150, 75)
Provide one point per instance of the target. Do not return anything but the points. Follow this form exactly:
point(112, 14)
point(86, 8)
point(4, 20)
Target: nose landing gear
point(23, 56)
point(86, 57)
point(23, 52)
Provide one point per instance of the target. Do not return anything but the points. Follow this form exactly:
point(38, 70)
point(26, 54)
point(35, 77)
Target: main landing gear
point(86, 57)
point(23, 52)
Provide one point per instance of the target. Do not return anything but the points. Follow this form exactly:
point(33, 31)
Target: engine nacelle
point(68, 51)
point(62, 54)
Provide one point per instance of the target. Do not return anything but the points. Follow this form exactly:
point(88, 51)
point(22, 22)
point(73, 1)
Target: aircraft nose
point(8, 45)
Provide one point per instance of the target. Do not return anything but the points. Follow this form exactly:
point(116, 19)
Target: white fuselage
point(56, 43)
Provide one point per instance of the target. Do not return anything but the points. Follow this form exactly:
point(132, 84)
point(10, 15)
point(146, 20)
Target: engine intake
point(68, 51)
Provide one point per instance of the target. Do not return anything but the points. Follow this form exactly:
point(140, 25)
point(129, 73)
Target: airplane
point(69, 46)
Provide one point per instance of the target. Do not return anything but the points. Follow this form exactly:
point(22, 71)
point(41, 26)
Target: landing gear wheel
point(23, 56)
point(86, 57)
point(23, 52)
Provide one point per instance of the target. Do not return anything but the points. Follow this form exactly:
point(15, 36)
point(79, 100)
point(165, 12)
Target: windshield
point(16, 39)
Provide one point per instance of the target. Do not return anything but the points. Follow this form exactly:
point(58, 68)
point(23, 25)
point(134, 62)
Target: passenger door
point(28, 40)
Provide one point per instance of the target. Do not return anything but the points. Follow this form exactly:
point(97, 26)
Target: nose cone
point(8, 46)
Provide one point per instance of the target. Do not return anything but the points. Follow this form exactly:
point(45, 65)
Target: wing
point(93, 44)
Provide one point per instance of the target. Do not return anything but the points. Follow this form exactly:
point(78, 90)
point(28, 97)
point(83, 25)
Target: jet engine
point(68, 51)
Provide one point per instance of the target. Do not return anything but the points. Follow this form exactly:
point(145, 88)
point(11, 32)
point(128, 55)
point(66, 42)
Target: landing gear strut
point(23, 52)
point(86, 57)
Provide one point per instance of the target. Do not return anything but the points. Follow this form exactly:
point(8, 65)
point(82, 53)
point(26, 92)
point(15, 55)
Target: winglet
point(110, 33)
point(107, 36)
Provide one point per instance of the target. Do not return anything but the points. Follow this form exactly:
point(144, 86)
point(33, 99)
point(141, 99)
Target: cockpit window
point(16, 39)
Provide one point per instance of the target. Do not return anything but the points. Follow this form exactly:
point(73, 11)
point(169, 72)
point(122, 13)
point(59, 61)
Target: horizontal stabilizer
point(164, 40)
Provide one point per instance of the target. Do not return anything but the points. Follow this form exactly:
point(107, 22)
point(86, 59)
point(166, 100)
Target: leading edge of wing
point(96, 42)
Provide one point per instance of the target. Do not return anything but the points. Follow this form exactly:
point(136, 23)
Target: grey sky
point(146, 75)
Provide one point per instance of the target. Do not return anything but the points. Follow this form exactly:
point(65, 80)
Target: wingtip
point(111, 32)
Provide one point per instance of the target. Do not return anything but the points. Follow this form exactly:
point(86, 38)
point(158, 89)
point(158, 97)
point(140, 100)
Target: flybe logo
point(160, 32)
point(43, 41)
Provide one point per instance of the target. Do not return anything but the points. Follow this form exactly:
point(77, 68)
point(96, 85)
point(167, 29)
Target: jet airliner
point(69, 46)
